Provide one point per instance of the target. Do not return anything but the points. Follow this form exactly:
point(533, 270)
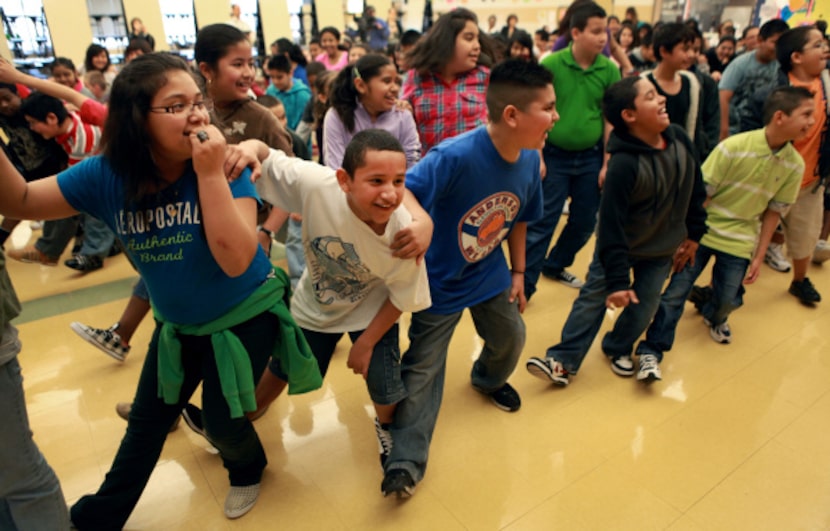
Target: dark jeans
point(727, 287)
point(98, 238)
point(150, 421)
point(384, 378)
point(571, 174)
point(588, 311)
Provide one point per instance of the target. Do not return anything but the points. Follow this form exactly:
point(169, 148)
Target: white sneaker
point(822, 252)
point(649, 369)
point(776, 259)
point(240, 500)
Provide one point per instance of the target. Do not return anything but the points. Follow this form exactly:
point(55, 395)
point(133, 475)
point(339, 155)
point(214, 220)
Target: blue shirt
point(165, 240)
point(474, 198)
point(294, 100)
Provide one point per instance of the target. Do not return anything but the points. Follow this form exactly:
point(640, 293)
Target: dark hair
point(635, 36)
point(64, 62)
point(728, 38)
point(543, 33)
point(515, 82)
point(138, 45)
point(368, 139)
point(772, 27)
point(331, 29)
point(512, 16)
point(314, 68)
point(94, 50)
point(631, 11)
point(266, 100)
point(344, 95)
point(648, 35)
point(213, 42)
point(786, 99)
point(670, 35)
point(321, 84)
point(314, 40)
point(11, 87)
point(821, 25)
point(746, 30)
point(292, 50)
point(410, 37)
point(617, 98)
point(524, 39)
point(790, 42)
point(613, 17)
point(437, 46)
point(125, 141)
point(581, 14)
point(38, 105)
point(279, 63)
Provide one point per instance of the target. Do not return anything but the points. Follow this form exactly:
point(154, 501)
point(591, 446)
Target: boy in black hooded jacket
point(651, 218)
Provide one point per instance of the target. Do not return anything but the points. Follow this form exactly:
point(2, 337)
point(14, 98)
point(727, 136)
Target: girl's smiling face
point(380, 93)
point(65, 76)
point(233, 76)
point(170, 132)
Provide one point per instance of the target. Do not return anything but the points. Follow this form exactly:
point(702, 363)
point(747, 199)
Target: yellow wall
point(273, 14)
point(331, 13)
point(5, 52)
point(211, 11)
point(150, 14)
point(68, 22)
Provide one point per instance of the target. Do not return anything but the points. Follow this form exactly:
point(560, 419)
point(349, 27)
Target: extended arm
point(725, 98)
point(9, 74)
point(769, 221)
point(41, 199)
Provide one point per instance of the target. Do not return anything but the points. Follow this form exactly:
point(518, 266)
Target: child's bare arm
point(516, 243)
point(769, 221)
point(9, 74)
point(361, 352)
point(413, 240)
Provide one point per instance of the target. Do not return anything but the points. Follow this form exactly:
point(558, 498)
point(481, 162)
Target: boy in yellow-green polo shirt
point(751, 178)
point(574, 151)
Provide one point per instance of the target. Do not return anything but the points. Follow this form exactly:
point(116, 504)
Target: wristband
point(266, 231)
point(517, 272)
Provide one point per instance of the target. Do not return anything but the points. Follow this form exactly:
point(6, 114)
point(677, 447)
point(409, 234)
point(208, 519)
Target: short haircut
point(747, 30)
point(64, 62)
point(410, 37)
point(11, 87)
point(266, 100)
point(96, 79)
point(368, 139)
point(670, 35)
point(314, 68)
point(772, 27)
point(648, 35)
point(38, 105)
point(280, 63)
point(728, 38)
point(542, 34)
point(515, 82)
point(617, 98)
point(138, 45)
point(786, 99)
point(790, 42)
point(581, 15)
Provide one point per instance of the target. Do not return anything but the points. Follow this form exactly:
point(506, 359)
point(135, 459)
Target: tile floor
point(734, 437)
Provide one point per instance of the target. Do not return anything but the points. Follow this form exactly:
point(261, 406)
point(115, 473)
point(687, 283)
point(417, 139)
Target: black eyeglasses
point(178, 108)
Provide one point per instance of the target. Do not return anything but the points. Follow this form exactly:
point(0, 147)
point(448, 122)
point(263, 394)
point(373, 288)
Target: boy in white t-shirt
point(352, 283)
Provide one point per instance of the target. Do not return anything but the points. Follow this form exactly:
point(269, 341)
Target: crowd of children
point(443, 170)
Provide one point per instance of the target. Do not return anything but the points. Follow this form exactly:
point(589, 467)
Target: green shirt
point(579, 98)
point(744, 177)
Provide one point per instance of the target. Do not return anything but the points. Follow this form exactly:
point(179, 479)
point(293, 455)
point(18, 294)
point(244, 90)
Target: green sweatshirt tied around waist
point(235, 373)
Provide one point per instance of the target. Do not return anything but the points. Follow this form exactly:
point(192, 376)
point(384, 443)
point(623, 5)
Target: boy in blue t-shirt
point(292, 92)
point(480, 188)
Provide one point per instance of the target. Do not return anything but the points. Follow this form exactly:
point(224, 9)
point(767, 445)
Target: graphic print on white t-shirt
point(337, 273)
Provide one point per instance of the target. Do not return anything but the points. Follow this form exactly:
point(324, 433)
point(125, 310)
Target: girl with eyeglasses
point(161, 184)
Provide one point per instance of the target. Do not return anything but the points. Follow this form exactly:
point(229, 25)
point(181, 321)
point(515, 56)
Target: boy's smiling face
point(649, 114)
point(377, 187)
point(798, 123)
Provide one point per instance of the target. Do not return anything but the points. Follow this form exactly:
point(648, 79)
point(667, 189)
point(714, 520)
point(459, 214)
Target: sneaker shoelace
point(385, 442)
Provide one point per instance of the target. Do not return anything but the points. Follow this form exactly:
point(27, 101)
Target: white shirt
point(350, 270)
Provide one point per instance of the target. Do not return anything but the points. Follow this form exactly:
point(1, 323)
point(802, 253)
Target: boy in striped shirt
point(751, 179)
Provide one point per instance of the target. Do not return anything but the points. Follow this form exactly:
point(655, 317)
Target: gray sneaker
point(649, 369)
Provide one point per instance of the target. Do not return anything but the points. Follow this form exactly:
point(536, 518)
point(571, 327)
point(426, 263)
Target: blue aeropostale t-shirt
point(166, 241)
point(474, 198)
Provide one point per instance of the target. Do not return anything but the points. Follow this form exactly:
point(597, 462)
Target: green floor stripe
point(75, 300)
point(53, 305)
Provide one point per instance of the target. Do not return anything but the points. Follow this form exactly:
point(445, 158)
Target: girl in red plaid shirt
point(447, 83)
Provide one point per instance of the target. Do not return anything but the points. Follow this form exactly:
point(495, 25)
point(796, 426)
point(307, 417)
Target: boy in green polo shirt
point(750, 179)
point(574, 151)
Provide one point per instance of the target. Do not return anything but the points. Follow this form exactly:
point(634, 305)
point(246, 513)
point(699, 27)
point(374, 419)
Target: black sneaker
point(398, 481)
point(505, 397)
point(84, 263)
point(192, 416)
point(700, 295)
point(805, 291)
point(564, 277)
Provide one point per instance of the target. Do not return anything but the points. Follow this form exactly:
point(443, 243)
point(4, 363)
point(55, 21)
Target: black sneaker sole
point(504, 407)
point(536, 369)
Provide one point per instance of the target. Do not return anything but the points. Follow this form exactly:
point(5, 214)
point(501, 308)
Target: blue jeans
point(98, 238)
point(571, 174)
point(384, 378)
point(727, 286)
point(294, 251)
point(588, 310)
point(423, 368)
point(151, 418)
point(30, 493)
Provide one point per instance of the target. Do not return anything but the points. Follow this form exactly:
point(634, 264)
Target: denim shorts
point(384, 379)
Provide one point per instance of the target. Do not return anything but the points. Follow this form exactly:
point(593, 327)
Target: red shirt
point(444, 110)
